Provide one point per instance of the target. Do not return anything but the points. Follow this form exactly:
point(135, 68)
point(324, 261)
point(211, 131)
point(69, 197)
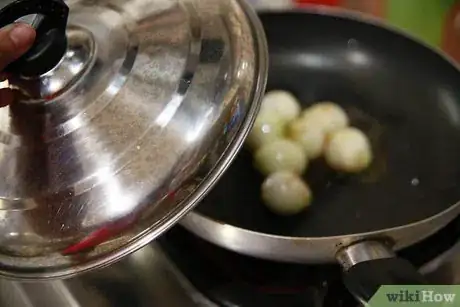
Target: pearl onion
point(327, 116)
point(282, 103)
point(348, 150)
point(285, 193)
point(267, 128)
point(281, 155)
point(310, 136)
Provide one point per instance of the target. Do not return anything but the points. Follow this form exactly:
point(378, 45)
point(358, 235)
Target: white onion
point(348, 150)
point(282, 103)
point(327, 116)
point(309, 135)
point(281, 155)
point(267, 128)
point(285, 193)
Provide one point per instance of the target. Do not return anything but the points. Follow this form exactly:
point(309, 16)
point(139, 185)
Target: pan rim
point(357, 236)
point(414, 231)
point(312, 250)
point(368, 19)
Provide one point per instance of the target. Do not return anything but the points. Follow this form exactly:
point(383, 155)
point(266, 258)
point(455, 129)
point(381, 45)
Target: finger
point(6, 97)
point(15, 40)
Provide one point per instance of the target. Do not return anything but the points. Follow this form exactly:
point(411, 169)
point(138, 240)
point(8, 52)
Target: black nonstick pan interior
point(403, 95)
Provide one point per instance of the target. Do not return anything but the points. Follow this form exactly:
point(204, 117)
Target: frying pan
point(406, 97)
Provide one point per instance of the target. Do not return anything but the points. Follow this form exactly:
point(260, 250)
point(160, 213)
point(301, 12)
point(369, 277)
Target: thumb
point(15, 40)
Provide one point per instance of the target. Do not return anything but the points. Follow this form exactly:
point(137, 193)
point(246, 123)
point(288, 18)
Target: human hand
point(15, 40)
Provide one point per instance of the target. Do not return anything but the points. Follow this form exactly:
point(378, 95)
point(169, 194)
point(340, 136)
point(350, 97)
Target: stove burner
point(230, 279)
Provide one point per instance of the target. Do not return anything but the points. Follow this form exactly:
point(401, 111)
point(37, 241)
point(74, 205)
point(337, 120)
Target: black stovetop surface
point(230, 279)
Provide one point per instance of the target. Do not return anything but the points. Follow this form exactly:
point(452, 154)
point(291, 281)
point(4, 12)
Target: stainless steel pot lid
point(115, 140)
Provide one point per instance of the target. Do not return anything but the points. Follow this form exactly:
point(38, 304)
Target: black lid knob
point(51, 41)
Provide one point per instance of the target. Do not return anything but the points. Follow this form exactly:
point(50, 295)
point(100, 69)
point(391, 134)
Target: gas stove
point(181, 270)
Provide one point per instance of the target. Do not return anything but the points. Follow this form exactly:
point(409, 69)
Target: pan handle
point(368, 265)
